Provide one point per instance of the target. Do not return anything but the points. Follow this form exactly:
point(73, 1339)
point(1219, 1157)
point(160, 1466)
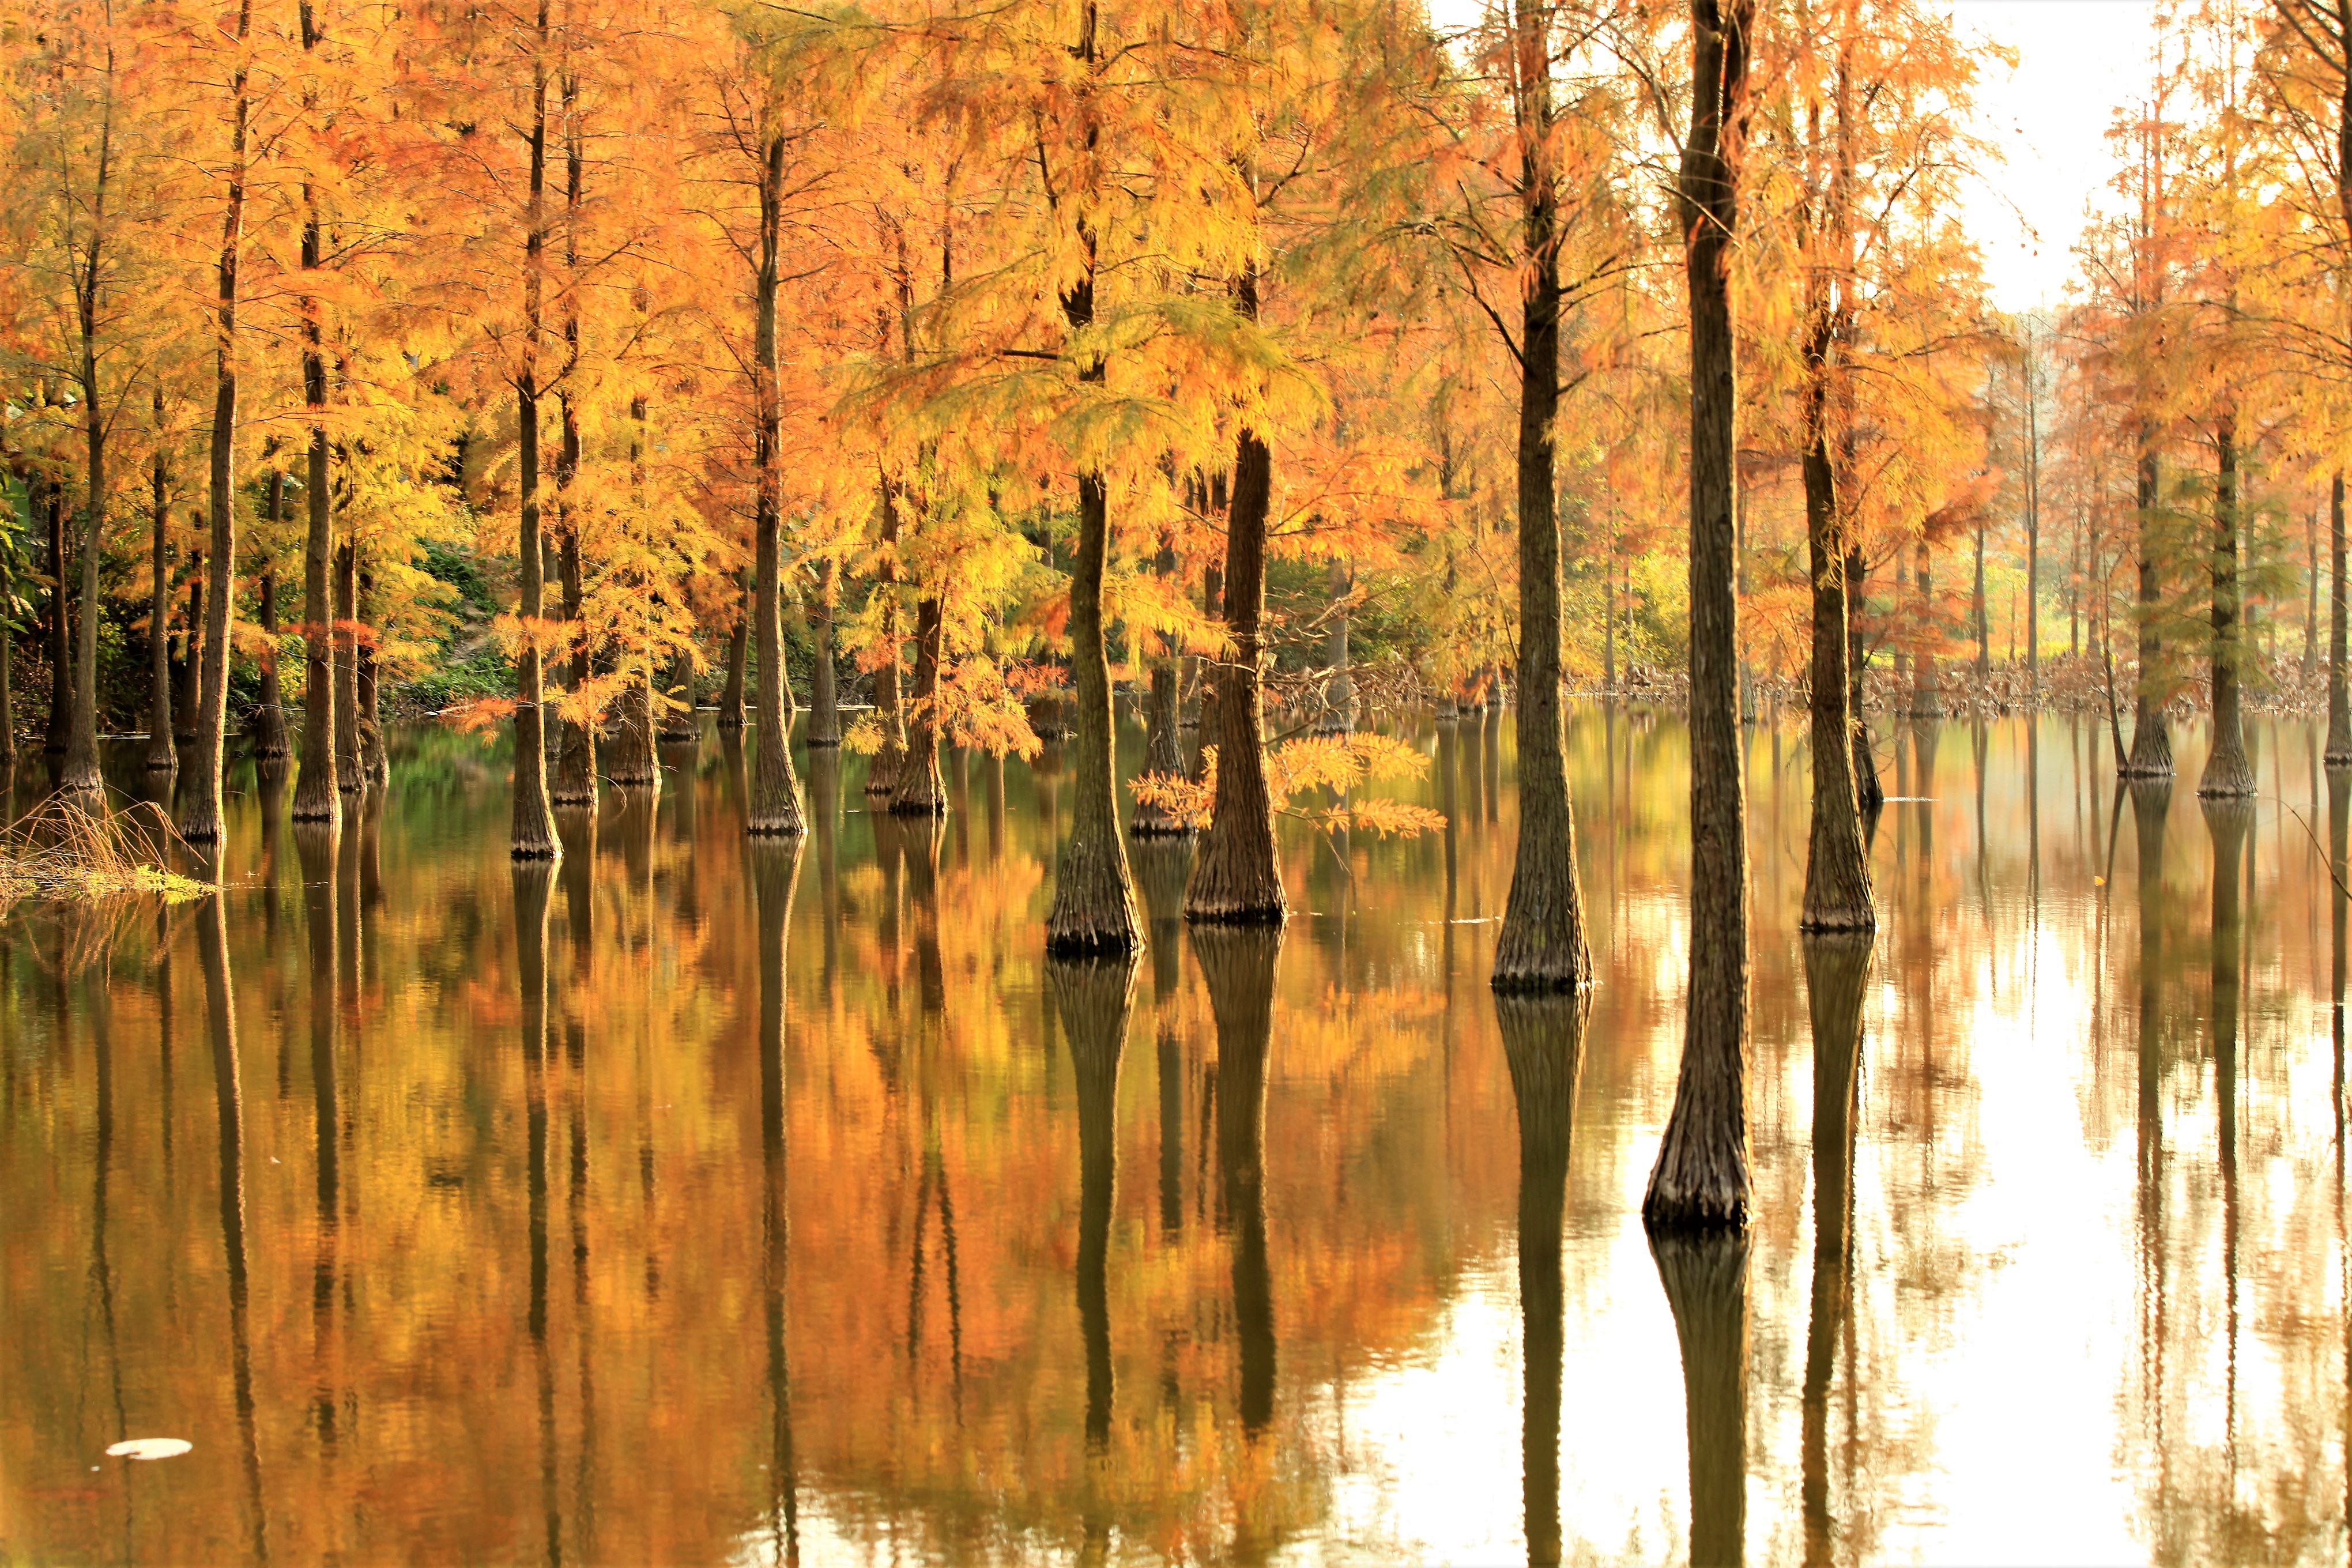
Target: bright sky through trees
point(2076, 59)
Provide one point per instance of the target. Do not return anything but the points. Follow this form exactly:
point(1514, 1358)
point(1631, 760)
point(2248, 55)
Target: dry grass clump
point(61, 850)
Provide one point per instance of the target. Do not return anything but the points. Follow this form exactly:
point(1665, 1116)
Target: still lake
point(704, 1200)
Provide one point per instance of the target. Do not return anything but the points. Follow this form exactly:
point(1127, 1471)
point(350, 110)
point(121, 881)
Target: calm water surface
point(707, 1200)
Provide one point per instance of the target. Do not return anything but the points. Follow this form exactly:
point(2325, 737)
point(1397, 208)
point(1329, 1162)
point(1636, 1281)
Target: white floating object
point(151, 1449)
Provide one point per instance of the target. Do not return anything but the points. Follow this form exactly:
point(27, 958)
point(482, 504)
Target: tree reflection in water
point(1543, 1044)
point(1706, 1276)
point(1836, 967)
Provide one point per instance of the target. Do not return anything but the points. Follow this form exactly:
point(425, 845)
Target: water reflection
point(546, 1202)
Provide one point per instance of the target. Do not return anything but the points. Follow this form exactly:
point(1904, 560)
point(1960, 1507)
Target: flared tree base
point(1094, 907)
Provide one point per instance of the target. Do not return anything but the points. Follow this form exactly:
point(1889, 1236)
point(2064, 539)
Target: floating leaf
point(151, 1449)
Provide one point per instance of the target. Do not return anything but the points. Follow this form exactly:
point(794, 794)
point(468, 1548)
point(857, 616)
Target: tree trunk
point(2151, 753)
point(739, 640)
point(162, 757)
point(1867, 790)
point(1204, 713)
point(2340, 707)
point(882, 773)
point(574, 780)
point(920, 791)
point(1235, 878)
point(1543, 1046)
point(533, 835)
point(59, 734)
point(375, 766)
point(188, 698)
point(1163, 755)
point(268, 723)
point(1837, 870)
point(80, 774)
point(1542, 946)
point(1976, 610)
point(350, 776)
point(775, 792)
point(825, 693)
point(1339, 696)
point(317, 791)
point(1701, 1176)
point(575, 760)
point(1094, 898)
point(1926, 688)
point(2311, 593)
point(633, 759)
point(200, 823)
point(7, 707)
point(2227, 770)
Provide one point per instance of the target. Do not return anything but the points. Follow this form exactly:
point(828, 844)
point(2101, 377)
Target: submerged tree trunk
point(376, 765)
point(1542, 946)
point(59, 625)
point(162, 757)
point(2339, 706)
point(1163, 754)
point(739, 640)
point(1204, 713)
point(350, 776)
point(633, 760)
point(2227, 770)
point(1093, 896)
point(318, 788)
point(825, 692)
point(920, 791)
point(188, 696)
point(882, 773)
point(1926, 688)
point(200, 822)
point(1837, 870)
point(2151, 753)
point(270, 741)
point(533, 835)
point(1867, 790)
point(1340, 697)
point(775, 792)
point(1701, 1176)
point(574, 783)
point(1235, 878)
point(80, 774)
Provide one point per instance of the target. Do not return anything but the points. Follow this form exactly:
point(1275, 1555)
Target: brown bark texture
point(200, 820)
point(1542, 946)
point(2151, 753)
point(1163, 754)
point(2227, 770)
point(1093, 896)
point(351, 777)
point(1235, 878)
point(824, 691)
point(920, 791)
point(162, 756)
point(775, 791)
point(1701, 1178)
point(2339, 707)
point(1837, 872)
